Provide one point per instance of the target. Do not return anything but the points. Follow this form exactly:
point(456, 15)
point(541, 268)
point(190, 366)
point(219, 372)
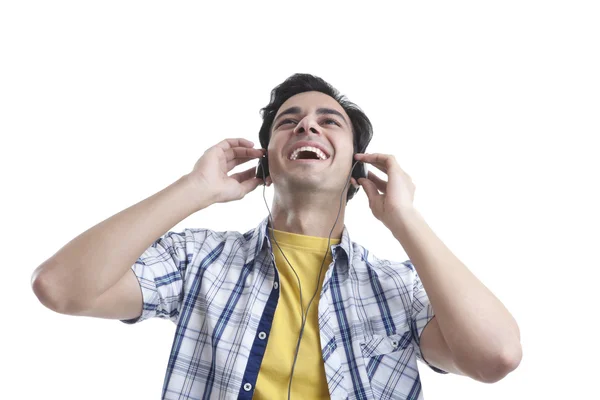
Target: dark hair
point(362, 130)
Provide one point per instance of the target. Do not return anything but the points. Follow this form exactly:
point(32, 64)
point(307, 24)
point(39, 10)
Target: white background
point(492, 109)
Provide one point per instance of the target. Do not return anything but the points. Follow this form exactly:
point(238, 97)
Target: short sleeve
point(421, 315)
point(162, 270)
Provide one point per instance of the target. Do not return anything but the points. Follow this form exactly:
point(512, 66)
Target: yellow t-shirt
point(305, 253)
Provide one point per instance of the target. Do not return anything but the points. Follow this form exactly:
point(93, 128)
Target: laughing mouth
point(308, 153)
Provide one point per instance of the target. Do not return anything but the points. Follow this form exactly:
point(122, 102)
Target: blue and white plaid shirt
point(221, 290)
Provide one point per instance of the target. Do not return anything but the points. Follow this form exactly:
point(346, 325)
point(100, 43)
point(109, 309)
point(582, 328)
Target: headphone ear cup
point(360, 170)
point(262, 170)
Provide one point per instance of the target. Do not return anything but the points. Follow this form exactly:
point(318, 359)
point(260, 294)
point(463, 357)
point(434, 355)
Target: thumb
point(247, 180)
point(370, 188)
point(250, 184)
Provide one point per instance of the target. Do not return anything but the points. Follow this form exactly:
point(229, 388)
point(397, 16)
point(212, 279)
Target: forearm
point(475, 324)
point(95, 260)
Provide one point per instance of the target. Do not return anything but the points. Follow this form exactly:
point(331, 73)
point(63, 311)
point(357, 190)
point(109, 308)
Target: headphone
point(359, 170)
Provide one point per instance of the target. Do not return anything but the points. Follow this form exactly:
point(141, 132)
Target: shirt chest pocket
point(378, 345)
point(387, 356)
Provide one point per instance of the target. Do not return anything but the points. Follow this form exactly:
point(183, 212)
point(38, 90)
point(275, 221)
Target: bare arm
point(98, 258)
point(472, 333)
point(89, 275)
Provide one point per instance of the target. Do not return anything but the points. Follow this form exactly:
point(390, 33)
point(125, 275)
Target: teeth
point(315, 150)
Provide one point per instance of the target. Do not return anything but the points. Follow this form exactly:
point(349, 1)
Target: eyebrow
point(322, 110)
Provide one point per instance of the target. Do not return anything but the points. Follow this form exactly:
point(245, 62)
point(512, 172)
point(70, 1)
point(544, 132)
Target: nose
point(307, 124)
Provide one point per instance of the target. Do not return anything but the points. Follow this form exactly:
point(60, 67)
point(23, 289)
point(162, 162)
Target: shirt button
point(262, 335)
point(247, 387)
point(275, 285)
point(394, 343)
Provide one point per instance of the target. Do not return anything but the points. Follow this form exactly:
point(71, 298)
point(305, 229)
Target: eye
point(287, 121)
point(328, 120)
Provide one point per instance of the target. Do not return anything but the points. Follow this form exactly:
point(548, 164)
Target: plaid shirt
point(221, 290)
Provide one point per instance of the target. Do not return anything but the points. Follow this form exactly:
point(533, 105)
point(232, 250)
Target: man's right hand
point(210, 171)
point(92, 276)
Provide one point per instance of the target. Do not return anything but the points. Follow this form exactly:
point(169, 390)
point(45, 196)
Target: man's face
point(318, 119)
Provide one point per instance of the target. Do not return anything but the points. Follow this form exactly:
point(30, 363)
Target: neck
point(308, 214)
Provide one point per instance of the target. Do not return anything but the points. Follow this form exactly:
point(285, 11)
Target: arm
point(89, 275)
point(472, 332)
point(99, 258)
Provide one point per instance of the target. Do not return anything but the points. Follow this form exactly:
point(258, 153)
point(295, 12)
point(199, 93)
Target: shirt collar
point(259, 239)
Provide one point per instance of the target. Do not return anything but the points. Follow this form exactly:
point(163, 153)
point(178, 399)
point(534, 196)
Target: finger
point(239, 156)
point(248, 180)
point(380, 184)
point(244, 175)
point(370, 189)
point(376, 159)
point(251, 184)
point(242, 152)
point(237, 161)
point(383, 162)
point(236, 142)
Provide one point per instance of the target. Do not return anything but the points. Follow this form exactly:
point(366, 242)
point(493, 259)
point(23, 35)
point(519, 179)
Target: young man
point(241, 302)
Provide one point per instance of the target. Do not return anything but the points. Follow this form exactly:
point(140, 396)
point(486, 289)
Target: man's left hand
point(397, 193)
